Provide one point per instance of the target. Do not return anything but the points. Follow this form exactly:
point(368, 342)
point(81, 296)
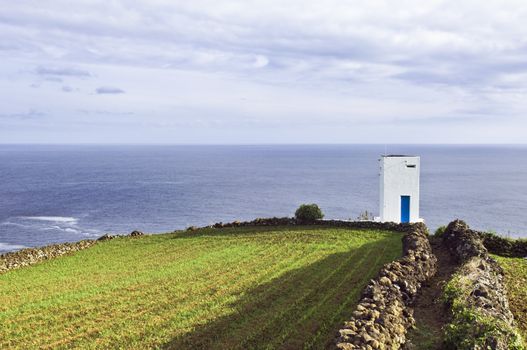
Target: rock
point(344, 332)
point(385, 281)
point(463, 242)
point(374, 344)
point(105, 237)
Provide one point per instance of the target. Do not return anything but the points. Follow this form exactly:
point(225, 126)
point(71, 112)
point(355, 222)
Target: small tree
point(308, 213)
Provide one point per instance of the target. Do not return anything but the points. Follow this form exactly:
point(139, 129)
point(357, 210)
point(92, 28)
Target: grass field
point(516, 281)
point(237, 288)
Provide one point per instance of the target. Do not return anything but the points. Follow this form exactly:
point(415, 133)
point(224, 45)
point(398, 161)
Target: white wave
point(9, 247)
point(78, 231)
point(63, 224)
point(58, 228)
point(51, 218)
point(90, 234)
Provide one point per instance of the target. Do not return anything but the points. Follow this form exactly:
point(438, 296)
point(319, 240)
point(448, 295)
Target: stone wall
point(285, 221)
point(383, 316)
point(496, 244)
point(30, 256)
point(481, 318)
point(515, 248)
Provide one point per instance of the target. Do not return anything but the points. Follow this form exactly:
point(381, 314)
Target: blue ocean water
point(66, 193)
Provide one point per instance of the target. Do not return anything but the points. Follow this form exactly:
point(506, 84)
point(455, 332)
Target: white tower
point(399, 188)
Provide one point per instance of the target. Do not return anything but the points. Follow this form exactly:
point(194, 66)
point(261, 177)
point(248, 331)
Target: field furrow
point(237, 288)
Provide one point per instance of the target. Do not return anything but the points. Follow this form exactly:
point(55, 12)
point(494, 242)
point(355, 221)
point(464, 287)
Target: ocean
point(51, 194)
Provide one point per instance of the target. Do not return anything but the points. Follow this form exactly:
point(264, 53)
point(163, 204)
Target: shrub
point(308, 213)
point(440, 231)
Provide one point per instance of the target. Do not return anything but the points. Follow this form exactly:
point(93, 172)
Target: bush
point(308, 213)
point(440, 231)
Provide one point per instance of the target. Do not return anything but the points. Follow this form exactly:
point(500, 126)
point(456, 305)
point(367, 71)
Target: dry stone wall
point(30, 256)
point(516, 248)
point(383, 316)
point(286, 221)
point(481, 318)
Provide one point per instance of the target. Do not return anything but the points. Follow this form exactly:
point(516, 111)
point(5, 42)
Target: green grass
point(516, 282)
point(238, 288)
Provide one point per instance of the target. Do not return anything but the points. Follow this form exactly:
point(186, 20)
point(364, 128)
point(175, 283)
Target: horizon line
point(255, 144)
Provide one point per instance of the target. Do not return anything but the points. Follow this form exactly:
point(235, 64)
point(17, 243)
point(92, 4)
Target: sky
point(258, 72)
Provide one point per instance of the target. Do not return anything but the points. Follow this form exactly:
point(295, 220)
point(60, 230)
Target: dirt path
point(429, 312)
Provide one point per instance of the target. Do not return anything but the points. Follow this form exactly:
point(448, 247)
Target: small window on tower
point(410, 165)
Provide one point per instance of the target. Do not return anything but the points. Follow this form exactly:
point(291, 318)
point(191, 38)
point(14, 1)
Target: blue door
point(405, 208)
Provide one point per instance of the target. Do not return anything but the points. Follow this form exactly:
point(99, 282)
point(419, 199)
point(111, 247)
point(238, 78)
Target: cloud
point(299, 38)
point(243, 63)
point(109, 90)
point(30, 114)
point(105, 112)
point(260, 61)
point(62, 71)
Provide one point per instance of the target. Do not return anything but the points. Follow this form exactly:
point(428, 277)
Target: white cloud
point(62, 71)
point(108, 90)
point(355, 67)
